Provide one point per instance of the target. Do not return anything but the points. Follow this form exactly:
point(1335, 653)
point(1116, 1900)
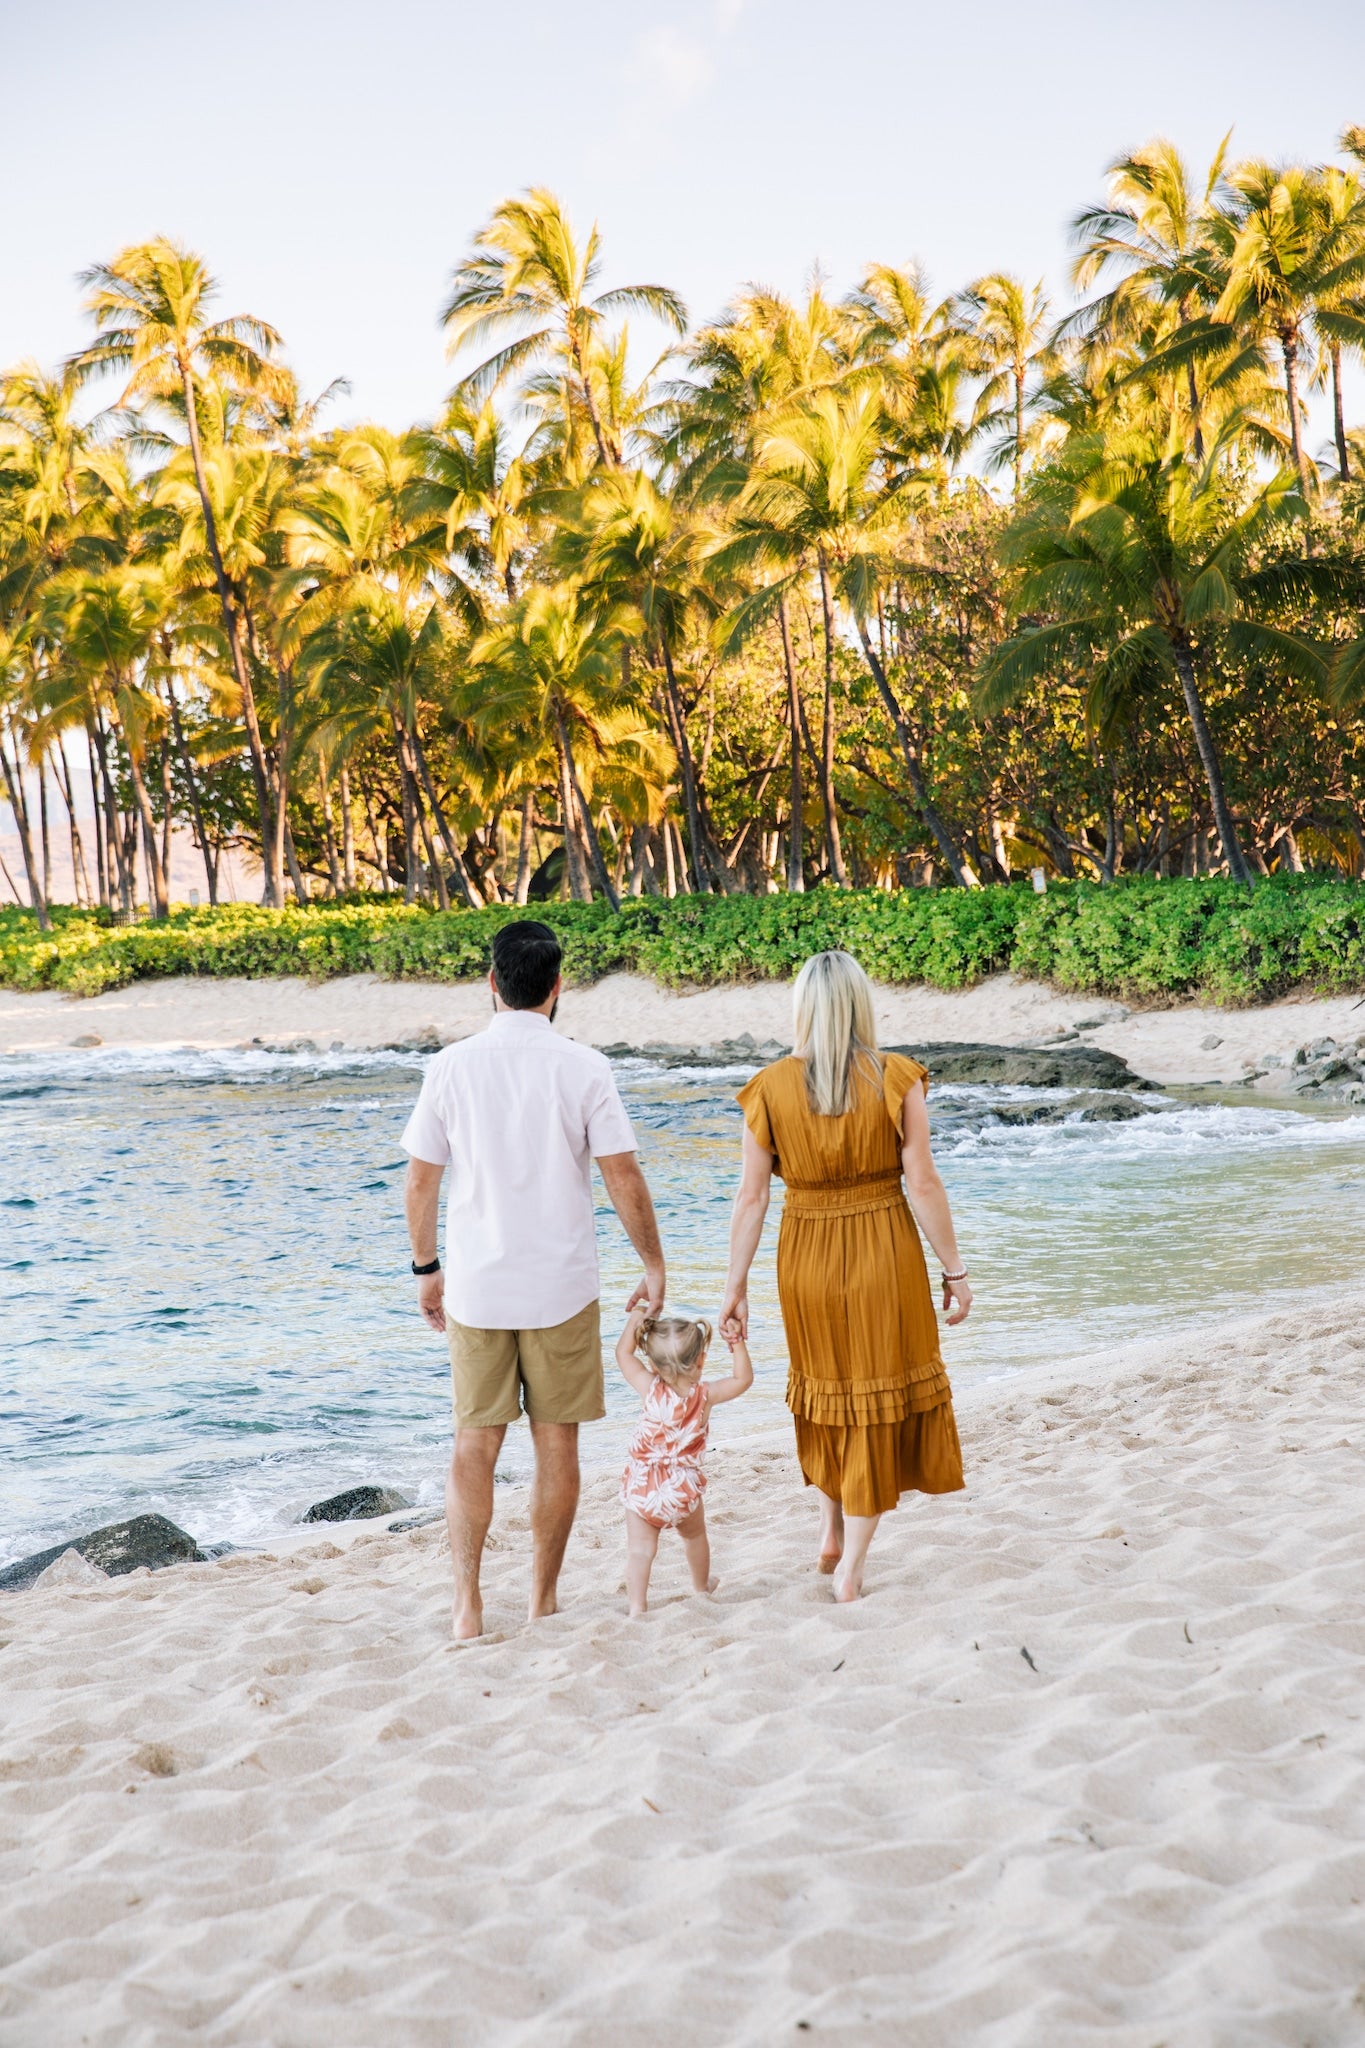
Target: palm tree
point(1132, 569)
point(149, 306)
point(528, 272)
point(816, 499)
point(109, 620)
point(1287, 258)
point(553, 666)
point(1155, 232)
point(1010, 323)
point(632, 546)
point(1339, 314)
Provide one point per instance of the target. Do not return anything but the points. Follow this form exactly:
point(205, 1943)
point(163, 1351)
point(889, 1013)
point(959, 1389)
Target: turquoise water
point(205, 1308)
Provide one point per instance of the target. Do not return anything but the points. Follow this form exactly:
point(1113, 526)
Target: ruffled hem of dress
point(849, 1404)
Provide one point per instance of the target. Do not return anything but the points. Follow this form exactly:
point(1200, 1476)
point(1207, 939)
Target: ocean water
point(205, 1307)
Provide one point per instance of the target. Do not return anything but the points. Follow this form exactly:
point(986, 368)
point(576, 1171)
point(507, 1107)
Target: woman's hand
point(734, 1317)
point(957, 1300)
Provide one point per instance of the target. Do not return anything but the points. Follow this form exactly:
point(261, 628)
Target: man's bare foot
point(468, 1623)
point(847, 1585)
point(709, 1587)
point(542, 1605)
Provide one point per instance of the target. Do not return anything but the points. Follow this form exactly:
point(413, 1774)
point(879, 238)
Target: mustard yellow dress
point(866, 1384)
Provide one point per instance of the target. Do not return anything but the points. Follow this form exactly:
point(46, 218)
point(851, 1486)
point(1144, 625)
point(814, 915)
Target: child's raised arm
point(634, 1371)
point(740, 1377)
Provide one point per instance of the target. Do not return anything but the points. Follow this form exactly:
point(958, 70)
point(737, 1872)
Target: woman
point(840, 1124)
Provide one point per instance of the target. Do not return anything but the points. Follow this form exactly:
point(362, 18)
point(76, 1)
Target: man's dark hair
point(526, 957)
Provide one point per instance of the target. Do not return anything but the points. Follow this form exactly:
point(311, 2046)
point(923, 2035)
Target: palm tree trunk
point(960, 868)
point(328, 832)
point(1213, 767)
point(232, 626)
point(580, 888)
point(525, 847)
point(118, 857)
point(45, 828)
point(210, 858)
point(151, 853)
point(1289, 342)
point(101, 866)
point(1020, 373)
point(836, 853)
point(14, 789)
point(347, 828)
point(590, 838)
point(1338, 418)
point(463, 879)
point(683, 750)
point(796, 853)
point(61, 768)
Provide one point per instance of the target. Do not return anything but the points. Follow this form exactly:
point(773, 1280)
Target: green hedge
point(1142, 940)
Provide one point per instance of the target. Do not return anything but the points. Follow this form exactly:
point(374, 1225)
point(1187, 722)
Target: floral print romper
point(664, 1477)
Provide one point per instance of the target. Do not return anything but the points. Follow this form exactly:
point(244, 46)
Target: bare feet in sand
point(831, 1536)
point(540, 1609)
point(848, 1585)
point(468, 1623)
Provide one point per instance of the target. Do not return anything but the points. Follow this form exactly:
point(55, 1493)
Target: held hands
point(957, 1301)
point(648, 1297)
point(734, 1317)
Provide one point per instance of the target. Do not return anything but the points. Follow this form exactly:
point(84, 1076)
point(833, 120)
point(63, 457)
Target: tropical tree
point(552, 667)
point(149, 307)
point(1134, 565)
point(527, 275)
point(1010, 323)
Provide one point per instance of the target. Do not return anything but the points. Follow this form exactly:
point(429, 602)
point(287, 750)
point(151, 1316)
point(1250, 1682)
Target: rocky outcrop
point(1085, 1107)
point(1081, 1066)
point(1326, 1070)
point(358, 1504)
point(120, 1547)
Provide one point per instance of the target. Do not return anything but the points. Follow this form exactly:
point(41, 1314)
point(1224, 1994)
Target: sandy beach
point(362, 1011)
point(1087, 1764)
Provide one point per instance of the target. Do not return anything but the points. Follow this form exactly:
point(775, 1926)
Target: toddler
point(665, 1477)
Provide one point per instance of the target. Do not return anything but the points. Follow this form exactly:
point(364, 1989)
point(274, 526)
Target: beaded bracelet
point(954, 1276)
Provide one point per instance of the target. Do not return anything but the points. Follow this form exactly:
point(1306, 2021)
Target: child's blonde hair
point(676, 1347)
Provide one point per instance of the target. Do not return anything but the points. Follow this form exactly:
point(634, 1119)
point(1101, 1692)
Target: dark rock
point(744, 1051)
point(1338, 1070)
point(417, 1521)
point(122, 1547)
point(1082, 1066)
point(358, 1504)
point(1084, 1107)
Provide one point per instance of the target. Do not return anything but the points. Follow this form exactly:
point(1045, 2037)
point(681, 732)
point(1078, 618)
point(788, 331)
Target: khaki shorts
point(554, 1374)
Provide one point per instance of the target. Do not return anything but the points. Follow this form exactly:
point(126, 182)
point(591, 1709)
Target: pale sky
point(331, 161)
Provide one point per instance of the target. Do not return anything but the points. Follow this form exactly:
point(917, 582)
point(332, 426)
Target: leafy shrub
point(1144, 940)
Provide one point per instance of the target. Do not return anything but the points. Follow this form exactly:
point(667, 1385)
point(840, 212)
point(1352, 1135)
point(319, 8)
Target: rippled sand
point(265, 1800)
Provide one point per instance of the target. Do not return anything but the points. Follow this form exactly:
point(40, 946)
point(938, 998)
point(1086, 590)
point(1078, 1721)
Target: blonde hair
point(836, 1032)
point(676, 1347)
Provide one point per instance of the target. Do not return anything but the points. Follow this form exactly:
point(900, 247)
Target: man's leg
point(554, 1502)
point(469, 1510)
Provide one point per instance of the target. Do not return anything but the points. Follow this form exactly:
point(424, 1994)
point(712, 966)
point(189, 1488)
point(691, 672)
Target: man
point(518, 1113)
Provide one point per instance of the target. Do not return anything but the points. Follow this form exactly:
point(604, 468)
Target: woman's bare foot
point(831, 1535)
point(709, 1587)
point(848, 1585)
point(468, 1623)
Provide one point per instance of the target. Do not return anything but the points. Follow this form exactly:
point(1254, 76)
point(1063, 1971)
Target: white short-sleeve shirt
point(517, 1114)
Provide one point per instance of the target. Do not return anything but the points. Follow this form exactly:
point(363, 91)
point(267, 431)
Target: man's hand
point(422, 1200)
point(648, 1297)
point(431, 1299)
point(629, 1196)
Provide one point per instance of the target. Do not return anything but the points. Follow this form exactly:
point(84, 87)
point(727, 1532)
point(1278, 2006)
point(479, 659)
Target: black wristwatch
point(420, 1271)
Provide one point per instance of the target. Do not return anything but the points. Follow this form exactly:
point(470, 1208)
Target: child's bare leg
point(642, 1541)
point(858, 1533)
point(831, 1533)
point(697, 1550)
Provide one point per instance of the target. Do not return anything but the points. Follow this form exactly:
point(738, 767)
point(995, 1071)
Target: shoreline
point(365, 1013)
point(253, 1783)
